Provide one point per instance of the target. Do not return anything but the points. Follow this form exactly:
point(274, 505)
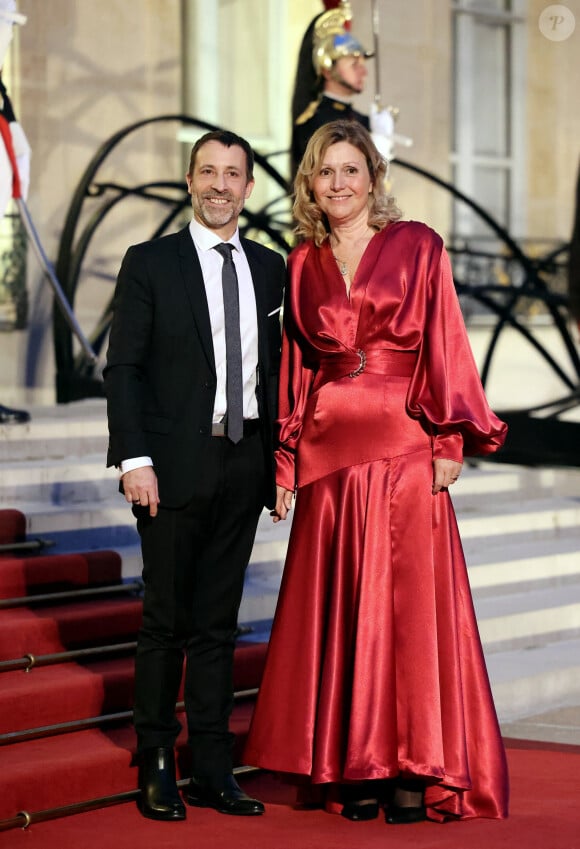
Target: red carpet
point(48, 630)
point(544, 815)
point(78, 764)
point(53, 772)
point(12, 526)
point(27, 576)
point(68, 768)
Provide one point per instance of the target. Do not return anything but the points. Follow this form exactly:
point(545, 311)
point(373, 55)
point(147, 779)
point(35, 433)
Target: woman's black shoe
point(359, 811)
point(399, 816)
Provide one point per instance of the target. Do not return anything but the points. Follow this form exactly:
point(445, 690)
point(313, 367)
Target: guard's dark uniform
point(318, 113)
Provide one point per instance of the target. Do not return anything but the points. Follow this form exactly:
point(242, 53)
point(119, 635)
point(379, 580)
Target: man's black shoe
point(225, 795)
point(159, 799)
point(9, 416)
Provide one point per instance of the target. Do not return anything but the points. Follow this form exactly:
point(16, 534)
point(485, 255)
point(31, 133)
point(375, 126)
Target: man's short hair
point(228, 139)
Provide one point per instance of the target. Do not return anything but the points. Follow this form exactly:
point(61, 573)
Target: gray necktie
point(234, 382)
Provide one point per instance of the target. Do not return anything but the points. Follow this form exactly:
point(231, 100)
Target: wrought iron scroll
point(526, 281)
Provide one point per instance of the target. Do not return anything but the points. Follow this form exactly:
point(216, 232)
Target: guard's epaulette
point(308, 112)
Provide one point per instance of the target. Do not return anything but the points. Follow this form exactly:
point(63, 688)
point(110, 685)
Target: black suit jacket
point(160, 377)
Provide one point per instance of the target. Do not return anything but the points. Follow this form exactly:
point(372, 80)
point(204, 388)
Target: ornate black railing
point(502, 282)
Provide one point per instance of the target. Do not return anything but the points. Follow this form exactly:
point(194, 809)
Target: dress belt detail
point(372, 360)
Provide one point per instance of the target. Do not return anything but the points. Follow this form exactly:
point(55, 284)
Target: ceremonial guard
point(331, 71)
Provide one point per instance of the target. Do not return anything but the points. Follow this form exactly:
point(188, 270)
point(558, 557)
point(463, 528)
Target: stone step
point(512, 527)
point(518, 620)
point(524, 681)
point(111, 524)
point(520, 529)
point(68, 430)
point(58, 440)
point(543, 550)
point(518, 483)
point(83, 476)
point(529, 619)
point(520, 562)
point(533, 517)
point(82, 479)
point(72, 479)
point(528, 681)
point(78, 430)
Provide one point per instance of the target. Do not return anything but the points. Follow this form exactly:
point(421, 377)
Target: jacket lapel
point(195, 288)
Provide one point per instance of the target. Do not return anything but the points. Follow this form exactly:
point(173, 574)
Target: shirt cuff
point(134, 463)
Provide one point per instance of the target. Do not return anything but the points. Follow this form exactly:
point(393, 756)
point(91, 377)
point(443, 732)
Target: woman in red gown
point(375, 669)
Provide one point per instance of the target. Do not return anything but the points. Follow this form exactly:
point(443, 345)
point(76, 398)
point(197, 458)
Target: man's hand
point(445, 473)
point(140, 487)
point(283, 503)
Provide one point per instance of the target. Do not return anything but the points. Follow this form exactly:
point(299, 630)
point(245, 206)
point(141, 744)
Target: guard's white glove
point(382, 121)
point(382, 125)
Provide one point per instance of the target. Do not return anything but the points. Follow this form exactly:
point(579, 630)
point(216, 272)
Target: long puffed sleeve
point(295, 383)
point(446, 388)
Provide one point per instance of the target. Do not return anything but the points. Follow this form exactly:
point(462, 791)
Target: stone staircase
point(520, 529)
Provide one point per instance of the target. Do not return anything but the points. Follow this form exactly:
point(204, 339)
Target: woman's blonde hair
point(311, 221)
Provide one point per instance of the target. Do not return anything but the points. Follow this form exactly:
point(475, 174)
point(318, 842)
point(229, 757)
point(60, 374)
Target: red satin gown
point(375, 666)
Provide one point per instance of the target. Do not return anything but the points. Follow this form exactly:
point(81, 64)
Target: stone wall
point(83, 69)
point(553, 126)
point(415, 77)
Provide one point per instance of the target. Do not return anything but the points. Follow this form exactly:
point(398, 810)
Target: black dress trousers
point(194, 561)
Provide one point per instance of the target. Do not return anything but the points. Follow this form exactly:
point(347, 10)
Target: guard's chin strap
point(334, 75)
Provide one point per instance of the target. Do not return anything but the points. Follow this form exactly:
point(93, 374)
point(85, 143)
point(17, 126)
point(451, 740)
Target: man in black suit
point(197, 492)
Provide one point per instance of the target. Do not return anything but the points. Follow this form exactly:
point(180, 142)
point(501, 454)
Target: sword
point(376, 31)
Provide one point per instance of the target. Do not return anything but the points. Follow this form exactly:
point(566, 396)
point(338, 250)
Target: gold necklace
point(342, 265)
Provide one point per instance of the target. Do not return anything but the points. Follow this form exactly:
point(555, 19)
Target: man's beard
point(215, 215)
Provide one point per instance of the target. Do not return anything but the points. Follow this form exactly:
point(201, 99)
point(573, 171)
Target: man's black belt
point(251, 426)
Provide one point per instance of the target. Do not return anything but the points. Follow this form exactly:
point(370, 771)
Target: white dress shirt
point(211, 266)
point(211, 263)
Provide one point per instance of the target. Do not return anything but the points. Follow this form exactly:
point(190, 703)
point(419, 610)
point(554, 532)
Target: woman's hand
point(445, 473)
point(283, 503)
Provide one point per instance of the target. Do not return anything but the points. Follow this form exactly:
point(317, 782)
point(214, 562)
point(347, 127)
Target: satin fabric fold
point(375, 666)
point(402, 298)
